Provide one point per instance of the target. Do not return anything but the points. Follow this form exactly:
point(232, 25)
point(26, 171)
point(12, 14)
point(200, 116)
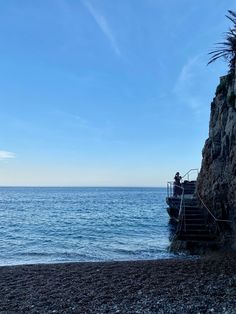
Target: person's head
point(177, 173)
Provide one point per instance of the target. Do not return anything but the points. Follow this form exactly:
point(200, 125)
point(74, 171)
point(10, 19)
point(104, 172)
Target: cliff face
point(217, 178)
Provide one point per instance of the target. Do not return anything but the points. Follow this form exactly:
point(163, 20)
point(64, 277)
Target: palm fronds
point(227, 49)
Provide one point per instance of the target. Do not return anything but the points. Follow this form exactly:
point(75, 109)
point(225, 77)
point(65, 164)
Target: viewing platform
point(196, 225)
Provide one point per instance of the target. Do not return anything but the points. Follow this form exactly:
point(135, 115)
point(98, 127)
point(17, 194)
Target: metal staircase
point(193, 226)
point(197, 227)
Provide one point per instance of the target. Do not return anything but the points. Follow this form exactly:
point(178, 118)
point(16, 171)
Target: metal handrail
point(169, 188)
point(181, 213)
point(181, 201)
point(170, 185)
point(187, 173)
point(216, 219)
point(170, 193)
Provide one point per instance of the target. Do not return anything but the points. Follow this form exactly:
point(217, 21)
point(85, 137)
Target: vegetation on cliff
point(227, 49)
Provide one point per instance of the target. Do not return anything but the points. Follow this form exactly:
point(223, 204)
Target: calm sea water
point(44, 225)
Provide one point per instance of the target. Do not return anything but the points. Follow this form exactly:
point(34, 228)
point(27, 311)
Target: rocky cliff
point(216, 182)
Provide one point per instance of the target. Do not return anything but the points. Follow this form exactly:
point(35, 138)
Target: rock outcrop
point(216, 182)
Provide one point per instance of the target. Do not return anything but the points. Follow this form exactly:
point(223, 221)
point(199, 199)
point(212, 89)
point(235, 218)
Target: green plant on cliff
point(227, 49)
point(222, 87)
point(231, 98)
point(225, 81)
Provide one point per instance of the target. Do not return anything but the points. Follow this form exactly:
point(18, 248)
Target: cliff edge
point(216, 184)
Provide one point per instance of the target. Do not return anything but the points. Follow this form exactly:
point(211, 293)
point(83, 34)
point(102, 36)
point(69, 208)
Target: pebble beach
point(204, 285)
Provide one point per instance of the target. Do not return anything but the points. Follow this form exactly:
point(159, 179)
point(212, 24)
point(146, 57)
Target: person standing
point(177, 185)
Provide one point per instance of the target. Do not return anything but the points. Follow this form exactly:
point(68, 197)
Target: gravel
point(204, 285)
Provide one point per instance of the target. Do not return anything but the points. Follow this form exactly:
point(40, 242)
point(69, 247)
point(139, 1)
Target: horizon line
point(77, 186)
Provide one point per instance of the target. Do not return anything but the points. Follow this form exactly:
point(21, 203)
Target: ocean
point(49, 225)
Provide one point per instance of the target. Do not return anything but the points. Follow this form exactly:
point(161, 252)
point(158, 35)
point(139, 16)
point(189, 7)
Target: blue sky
point(105, 92)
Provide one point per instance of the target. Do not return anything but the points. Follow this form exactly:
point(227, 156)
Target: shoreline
point(175, 257)
point(104, 263)
point(202, 285)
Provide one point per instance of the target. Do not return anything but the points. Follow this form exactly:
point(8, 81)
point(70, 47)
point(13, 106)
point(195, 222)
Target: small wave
point(83, 224)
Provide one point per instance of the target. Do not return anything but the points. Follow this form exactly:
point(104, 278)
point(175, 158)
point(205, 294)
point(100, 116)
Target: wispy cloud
point(6, 155)
point(189, 83)
point(186, 74)
point(103, 25)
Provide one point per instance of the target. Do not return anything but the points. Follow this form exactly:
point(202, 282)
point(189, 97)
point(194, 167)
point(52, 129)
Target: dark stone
point(216, 182)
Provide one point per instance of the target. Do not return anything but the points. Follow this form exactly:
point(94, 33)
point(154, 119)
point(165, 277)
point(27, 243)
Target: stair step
point(195, 225)
point(193, 218)
point(197, 231)
point(196, 238)
point(192, 206)
point(208, 242)
point(197, 235)
point(192, 211)
point(201, 241)
point(194, 221)
point(192, 215)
